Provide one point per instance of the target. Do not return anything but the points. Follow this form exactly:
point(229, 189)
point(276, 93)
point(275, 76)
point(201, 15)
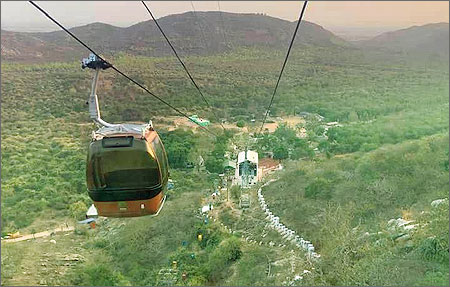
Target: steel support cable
point(223, 26)
point(182, 64)
point(202, 35)
point(284, 64)
point(115, 69)
point(221, 22)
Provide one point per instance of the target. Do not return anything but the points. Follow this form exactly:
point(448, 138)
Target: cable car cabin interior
point(127, 171)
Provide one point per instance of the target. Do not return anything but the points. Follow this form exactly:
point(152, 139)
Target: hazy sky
point(330, 14)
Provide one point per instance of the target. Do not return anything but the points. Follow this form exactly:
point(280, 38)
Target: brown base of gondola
point(132, 208)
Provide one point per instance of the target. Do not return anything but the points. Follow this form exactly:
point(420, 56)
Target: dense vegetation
point(284, 143)
point(178, 145)
point(389, 158)
point(343, 205)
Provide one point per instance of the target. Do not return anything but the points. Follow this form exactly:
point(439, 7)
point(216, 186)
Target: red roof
point(268, 163)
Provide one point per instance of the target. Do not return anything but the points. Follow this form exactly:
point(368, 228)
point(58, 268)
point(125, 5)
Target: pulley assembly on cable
point(127, 168)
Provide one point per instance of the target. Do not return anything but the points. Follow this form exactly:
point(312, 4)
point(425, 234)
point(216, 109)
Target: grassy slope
point(45, 131)
point(334, 202)
point(40, 262)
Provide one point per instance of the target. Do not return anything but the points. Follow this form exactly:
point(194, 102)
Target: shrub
point(240, 124)
point(100, 275)
point(235, 192)
point(430, 249)
point(320, 188)
point(78, 210)
point(227, 252)
point(231, 249)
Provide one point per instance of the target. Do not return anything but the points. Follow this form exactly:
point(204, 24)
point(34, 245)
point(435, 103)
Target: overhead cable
point(116, 69)
point(200, 26)
point(284, 65)
point(182, 64)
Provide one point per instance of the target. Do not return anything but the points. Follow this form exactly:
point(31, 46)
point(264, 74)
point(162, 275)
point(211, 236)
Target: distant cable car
point(127, 168)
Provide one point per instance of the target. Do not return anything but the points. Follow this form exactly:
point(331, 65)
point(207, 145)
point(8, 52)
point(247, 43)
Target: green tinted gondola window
point(122, 168)
point(117, 142)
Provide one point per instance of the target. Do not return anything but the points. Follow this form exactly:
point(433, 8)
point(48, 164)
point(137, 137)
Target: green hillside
point(388, 159)
point(344, 204)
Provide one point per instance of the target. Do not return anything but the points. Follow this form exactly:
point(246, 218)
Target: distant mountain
point(199, 33)
point(431, 39)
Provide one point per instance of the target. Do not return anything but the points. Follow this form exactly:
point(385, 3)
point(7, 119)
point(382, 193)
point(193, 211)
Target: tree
point(214, 164)
point(215, 160)
point(284, 143)
point(280, 152)
point(178, 145)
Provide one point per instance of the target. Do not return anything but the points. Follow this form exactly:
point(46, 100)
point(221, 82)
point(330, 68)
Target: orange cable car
point(127, 169)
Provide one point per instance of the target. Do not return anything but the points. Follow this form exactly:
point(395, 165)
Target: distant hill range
point(191, 33)
point(431, 39)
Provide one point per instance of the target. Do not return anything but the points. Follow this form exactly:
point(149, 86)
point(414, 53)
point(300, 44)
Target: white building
point(246, 173)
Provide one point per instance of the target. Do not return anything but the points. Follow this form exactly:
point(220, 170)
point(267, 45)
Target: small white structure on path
point(207, 208)
point(92, 212)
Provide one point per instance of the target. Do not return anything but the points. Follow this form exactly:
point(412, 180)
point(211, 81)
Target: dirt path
point(178, 121)
point(40, 234)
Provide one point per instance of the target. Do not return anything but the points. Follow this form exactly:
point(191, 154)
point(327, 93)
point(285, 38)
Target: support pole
point(94, 111)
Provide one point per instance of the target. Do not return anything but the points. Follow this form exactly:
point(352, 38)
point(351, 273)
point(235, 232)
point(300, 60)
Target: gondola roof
point(132, 129)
